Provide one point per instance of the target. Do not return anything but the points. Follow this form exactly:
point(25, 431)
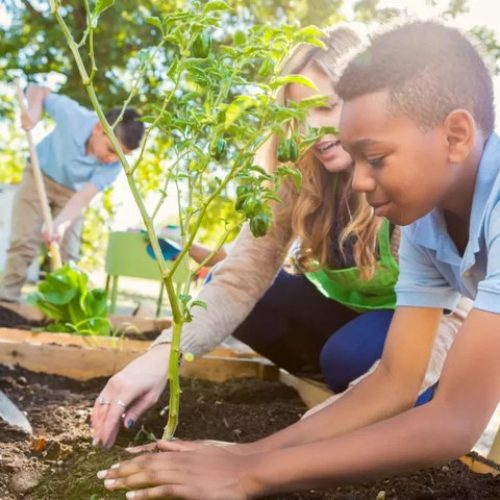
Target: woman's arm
point(237, 284)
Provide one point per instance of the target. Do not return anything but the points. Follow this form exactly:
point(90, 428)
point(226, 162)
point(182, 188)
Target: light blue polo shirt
point(432, 273)
point(62, 154)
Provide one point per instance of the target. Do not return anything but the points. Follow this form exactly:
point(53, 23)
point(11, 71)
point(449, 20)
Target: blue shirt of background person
point(433, 274)
point(62, 154)
point(78, 154)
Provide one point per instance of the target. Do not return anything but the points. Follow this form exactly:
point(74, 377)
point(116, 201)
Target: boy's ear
point(97, 128)
point(460, 129)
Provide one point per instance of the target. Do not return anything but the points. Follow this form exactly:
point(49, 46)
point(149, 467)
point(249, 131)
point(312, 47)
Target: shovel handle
point(54, 253)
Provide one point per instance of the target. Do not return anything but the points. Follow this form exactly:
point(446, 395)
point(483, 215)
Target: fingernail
point(109, 483)
point(95, 442)
point(115, 466)
point(130, 423)
point(131, 494)
point(102, 474)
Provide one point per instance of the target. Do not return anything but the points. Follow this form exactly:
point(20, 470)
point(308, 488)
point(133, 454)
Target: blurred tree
point(32, 42)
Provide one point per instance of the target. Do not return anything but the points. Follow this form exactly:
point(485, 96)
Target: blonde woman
point(332, 319)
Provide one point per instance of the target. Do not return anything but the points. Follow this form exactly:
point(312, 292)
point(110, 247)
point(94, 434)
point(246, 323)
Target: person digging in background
point(332, 320)
point(418, 121)
point(77, 161)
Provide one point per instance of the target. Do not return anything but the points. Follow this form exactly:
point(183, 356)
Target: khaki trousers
point(25, 238)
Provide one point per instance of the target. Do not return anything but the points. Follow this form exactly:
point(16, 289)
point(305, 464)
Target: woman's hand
point(129, 393)
point(211, 473)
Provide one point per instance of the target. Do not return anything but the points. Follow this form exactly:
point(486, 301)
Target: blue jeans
point(308, 334)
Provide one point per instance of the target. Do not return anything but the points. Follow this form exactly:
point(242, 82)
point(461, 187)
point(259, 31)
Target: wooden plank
point(83, 358)
point(494, 453)
point(480, 465)
point(120, 343)
point(311, 391)
point(220, 369)
point(138, 323)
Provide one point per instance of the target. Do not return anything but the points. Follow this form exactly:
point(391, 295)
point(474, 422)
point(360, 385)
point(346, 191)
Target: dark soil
point(59, 463)
point(10, 319)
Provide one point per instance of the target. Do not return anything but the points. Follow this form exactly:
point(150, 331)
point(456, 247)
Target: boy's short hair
point(129, 130)
point(428, 70)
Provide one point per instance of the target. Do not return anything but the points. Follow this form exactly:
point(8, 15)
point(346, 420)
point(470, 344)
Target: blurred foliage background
point(31, 42)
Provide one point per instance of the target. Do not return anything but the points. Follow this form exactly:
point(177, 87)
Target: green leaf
point(185, 298)
point(215, 5)
point(155, 21)
point(320, 131)
point(311, 35)
point(65, 297)
point(237, 108)
point(288, 79)
point(315, 101)
point(198, 303)
point(102, 5)
point(294, 173)
point(173, 68)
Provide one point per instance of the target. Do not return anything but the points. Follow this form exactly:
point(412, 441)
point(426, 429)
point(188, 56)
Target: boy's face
point(100, 146)
point(403, 169)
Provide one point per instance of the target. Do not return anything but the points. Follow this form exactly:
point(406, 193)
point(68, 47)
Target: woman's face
point(328, 149)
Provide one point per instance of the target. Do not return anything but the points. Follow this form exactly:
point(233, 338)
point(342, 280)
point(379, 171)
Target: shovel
point(13, 415)
point(54, 252)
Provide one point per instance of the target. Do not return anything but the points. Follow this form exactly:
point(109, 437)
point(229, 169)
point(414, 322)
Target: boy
point(418, 121)
point(77, 161)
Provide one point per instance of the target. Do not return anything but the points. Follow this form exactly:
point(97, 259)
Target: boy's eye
point(376, 162)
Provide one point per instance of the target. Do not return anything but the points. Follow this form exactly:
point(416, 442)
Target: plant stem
point(175, 388)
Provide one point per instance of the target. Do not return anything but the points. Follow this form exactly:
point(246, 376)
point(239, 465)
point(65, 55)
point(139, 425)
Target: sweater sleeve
point(238, 282)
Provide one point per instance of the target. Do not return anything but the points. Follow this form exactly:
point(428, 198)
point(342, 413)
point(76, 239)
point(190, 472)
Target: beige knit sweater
point(237, 284)
point(247, 273)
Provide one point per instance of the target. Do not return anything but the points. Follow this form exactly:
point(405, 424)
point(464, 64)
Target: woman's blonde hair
point(325, 200)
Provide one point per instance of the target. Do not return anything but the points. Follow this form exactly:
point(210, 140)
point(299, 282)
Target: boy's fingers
point(150, 447)
point(163, 491)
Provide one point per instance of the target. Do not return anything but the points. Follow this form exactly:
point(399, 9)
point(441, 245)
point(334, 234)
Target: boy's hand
point(27, 121)
point(211, 473)
point(55, 236)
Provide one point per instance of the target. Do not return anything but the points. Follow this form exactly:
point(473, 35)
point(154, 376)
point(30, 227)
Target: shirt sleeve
point(105, 175)
point(420, 282)
point(61, 107)
point(488, 290)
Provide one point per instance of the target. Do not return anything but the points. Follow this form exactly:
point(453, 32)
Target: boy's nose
point(362, 181)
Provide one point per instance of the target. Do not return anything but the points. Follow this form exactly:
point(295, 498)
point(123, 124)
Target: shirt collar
point(488, 170)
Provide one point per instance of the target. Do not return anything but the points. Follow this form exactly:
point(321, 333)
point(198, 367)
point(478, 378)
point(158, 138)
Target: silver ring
point(119, 402)
point(103, 401)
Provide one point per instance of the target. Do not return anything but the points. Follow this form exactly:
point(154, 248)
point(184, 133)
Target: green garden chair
point(127, 256)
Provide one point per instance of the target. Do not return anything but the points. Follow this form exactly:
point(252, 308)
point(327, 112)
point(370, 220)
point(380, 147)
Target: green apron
point(347, 287)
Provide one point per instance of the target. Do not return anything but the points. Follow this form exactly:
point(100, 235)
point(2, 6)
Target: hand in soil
point(128, 394)
point(211, 473)
point(181, 445)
